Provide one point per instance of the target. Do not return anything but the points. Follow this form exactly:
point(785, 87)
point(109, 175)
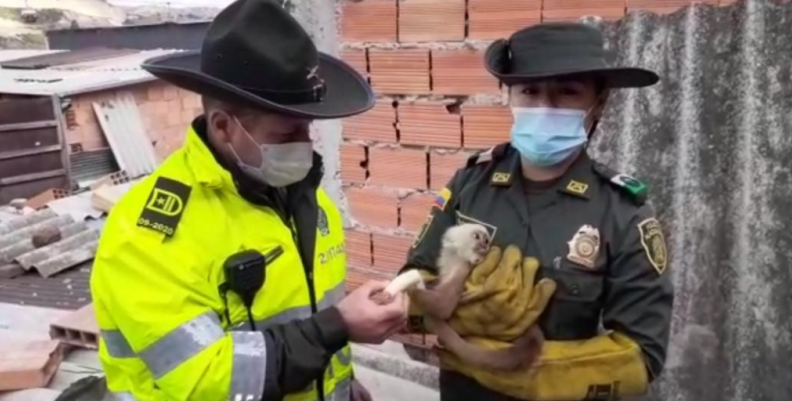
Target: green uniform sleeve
point(639, 294)
point(426, 248)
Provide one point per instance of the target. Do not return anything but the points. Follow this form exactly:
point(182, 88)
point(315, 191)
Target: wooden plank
point(28, 126)
point(32, 177)
point(16, 111)
point(29, 152)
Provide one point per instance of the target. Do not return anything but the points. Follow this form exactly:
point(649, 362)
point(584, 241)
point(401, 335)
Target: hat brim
point(347, 93)
point(616, 77)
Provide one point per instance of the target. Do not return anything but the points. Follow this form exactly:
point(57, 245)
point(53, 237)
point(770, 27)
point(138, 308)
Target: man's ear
point(219, 123)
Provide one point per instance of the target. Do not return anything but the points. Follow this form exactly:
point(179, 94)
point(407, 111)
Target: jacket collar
point(578, 181)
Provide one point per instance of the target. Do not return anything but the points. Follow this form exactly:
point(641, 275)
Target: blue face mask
point(547, 136)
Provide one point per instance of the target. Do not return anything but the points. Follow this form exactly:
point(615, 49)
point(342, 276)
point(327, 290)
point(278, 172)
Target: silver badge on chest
point(584, 246)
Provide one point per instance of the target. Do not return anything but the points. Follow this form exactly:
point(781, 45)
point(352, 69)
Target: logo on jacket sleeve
point(165, 206)
point(654, 244)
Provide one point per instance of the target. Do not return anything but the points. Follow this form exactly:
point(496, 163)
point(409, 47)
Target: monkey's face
point(472, 242)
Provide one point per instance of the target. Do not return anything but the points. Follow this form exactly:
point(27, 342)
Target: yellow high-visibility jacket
point(158, 289)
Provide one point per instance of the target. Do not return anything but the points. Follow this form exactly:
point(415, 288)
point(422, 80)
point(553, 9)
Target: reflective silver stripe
point(331, 297)
point(344, 357)
point(116, 344)
point(124, 397)
point(249, 370)
point(182, 343)
point(341, 392)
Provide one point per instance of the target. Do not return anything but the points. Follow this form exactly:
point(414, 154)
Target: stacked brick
point(166, 112)
point(436, 106)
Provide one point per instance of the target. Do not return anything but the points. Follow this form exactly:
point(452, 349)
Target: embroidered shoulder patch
point(165, 206)
point(654, 244)
point(637, 190)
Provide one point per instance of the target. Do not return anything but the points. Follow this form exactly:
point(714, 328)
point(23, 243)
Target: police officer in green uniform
point(589, 226)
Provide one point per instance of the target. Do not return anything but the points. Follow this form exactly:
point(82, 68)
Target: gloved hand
point(501, 300)
point(609, 366)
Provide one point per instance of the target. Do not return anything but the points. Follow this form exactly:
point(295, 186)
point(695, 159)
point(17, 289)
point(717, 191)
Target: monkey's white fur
point(463, 246)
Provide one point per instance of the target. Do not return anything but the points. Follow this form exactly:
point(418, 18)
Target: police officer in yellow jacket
point(221, 276)
point(586, 227)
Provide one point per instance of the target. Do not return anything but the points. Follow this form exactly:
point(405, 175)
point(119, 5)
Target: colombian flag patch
point(442, 199)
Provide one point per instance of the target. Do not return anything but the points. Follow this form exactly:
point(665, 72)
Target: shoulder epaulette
point(165, 205)
point(493, 153)
point(636, 189)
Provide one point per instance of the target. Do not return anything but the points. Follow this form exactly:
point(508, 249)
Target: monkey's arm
point(440, 301)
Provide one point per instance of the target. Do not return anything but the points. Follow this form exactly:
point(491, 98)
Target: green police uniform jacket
point(592, 233)
point(171, 331)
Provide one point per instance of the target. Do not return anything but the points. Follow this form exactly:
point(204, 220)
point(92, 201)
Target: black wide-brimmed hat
point(558, 50)
point(257, 54)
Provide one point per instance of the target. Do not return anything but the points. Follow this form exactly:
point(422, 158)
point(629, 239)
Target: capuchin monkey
point(463, 247)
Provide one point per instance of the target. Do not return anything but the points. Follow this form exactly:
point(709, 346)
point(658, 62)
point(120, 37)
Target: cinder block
point(358, 247)
point(390, 252)
point(573, 10)
point(431, 20)
point(443, 167)
point(373, 206)
point(357, 59)
point(368, 21)
point(353, 159)
point(414, 209)
point(39, 201)
point(429, 123)
point(490, 20)
point(403, 71)
point(485, 126)
point(79, 328)
point(399, 168)
point(375, 125)
point(28, 365)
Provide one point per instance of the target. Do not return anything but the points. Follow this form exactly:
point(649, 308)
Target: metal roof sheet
point(71, 79)
point(64, 58)
point(77, 243)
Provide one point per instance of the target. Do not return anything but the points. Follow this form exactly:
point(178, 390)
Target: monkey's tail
point(522, 353)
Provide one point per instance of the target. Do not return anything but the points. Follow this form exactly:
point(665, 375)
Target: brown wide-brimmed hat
point(558, 50)
point(256, 53)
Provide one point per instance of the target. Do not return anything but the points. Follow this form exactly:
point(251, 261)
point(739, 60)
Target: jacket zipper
point(309, 276)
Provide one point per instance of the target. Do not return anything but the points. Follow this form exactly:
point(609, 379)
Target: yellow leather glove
point(501, 301)
point(605, 367)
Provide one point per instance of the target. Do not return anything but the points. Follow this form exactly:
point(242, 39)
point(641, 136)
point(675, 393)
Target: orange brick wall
point(436, 105)
point(166, 112)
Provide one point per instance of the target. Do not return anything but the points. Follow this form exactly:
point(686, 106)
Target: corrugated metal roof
point(123, 128)
point(77, 243)
point(65, 58)
point(70, 79)
point(68, 290)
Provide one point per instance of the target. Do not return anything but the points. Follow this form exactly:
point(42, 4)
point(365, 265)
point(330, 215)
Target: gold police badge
point(584, 247)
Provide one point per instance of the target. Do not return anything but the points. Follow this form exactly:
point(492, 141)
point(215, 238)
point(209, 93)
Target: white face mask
point(281, 164)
